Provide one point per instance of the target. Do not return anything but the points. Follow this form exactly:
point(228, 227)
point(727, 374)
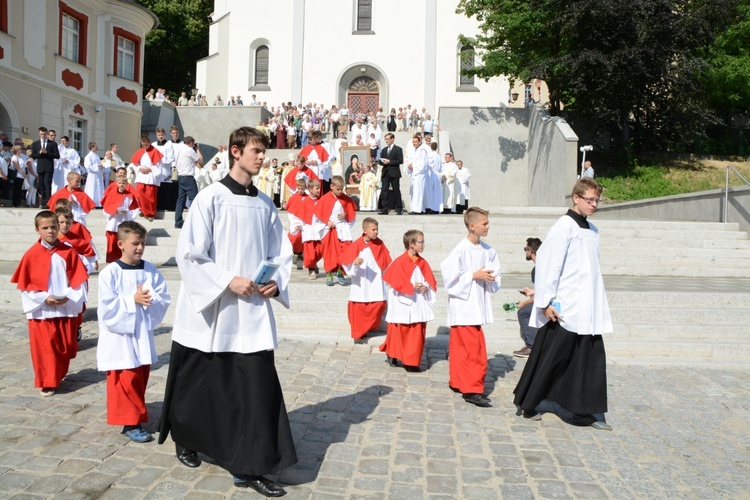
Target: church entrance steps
point(628, 248)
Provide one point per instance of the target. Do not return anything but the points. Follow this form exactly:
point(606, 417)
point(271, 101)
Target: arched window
point(364, 15)
point(466, 63)
point(261, 65)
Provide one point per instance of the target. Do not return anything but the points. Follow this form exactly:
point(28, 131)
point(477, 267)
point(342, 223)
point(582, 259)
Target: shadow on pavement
point(316, 427)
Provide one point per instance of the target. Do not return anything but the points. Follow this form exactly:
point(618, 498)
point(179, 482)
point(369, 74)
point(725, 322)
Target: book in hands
point(265, 272)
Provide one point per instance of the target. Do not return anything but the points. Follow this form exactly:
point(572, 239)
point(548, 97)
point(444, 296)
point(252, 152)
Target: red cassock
point(312, 250)
point(126, 396)
point(402, 341)
point(87, 204)
point(147, 192)
point(294, 207)
point(332, 246)
point(80, 231)
point(318, 149)
point(291, 178)
point(111, 201)
point(467, 364)
point(52, 341)
point(366, 316)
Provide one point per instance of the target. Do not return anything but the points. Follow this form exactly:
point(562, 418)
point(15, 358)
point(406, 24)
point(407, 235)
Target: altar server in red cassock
point(80, 203)
point(148, 175)
point(51, 277)
point(365, 260)
point(411, 295)
point(312, 248)
point(333, 219)
point(294, 208)
point(471, 273)
point(119, 205)
point(300, 171)
point(133, 299)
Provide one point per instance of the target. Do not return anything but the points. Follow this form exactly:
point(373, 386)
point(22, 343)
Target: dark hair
point(44, 214)
point(533, 244)
point(242, 137)
point(130, 227)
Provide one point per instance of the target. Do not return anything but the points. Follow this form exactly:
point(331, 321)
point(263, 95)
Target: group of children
point(321, 227)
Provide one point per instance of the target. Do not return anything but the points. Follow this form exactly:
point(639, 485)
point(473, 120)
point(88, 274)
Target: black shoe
point(264, 486)
point(412, 369)
point(383, 212)
point(79, 335)
point(531, 415)
point(187, 457)
point(399, 212)
point(392, 361)
point(478, 399)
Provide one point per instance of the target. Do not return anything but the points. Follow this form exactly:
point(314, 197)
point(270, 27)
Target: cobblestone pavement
point(365, 430)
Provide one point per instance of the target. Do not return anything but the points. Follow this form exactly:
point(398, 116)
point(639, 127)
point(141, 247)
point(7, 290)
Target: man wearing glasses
point(567, 365)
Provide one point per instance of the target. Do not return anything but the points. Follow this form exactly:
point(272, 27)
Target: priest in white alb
point(417, 165)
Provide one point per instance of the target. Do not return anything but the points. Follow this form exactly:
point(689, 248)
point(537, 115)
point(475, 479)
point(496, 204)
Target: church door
point(363, 96)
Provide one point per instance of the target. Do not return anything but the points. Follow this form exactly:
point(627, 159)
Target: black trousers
point(44, 186)
point(389, 184)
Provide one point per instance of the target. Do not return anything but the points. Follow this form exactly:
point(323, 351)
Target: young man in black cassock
point(567, 365)
point(223, 396)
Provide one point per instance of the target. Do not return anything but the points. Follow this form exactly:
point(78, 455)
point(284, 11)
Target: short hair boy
point(312, 250)
point(471, 273)
point(334, 218)
point(51, 278)
point(133, 299)
point(412, 293)
point(365, 260)
point(294, 211)
point(80, 203)
point(119, 205)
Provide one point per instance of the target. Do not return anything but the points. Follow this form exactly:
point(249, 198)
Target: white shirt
point(126, 329)
point(210, 253)
point(469, 299)
point(185, 158)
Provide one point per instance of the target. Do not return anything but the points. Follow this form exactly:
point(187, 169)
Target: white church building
point(364, 54)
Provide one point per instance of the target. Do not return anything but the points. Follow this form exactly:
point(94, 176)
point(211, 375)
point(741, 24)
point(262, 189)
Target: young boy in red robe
point(120, 172)
point(365, 260)
point(133, 299)
point(312, 249)
point(80, 203)
point(148, 175)
point(118, 205)
point(84, 248)
point(294, 209)
point(300, 171)
point(412, 293)
point(51, 277)
point(471, 273)
point(334, 217)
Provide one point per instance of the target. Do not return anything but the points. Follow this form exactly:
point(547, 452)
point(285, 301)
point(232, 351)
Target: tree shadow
point(317, 426)
point(74, 382)
point(497, 367)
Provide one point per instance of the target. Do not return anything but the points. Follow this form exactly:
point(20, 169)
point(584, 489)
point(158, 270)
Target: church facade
point(364, 54)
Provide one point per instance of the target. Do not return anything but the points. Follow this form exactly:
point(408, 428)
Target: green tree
point(174, 47)
point(629, 66)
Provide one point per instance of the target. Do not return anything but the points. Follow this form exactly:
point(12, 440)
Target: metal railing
point(726, 189)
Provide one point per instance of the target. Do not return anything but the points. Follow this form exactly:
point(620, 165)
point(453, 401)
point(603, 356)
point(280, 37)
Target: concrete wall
point(208, 125)
point(517, 157)
point(707, 206)
point(552, 159)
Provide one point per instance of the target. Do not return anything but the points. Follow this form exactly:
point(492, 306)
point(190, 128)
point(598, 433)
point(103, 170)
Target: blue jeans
point(528, 333)
point(187, 189)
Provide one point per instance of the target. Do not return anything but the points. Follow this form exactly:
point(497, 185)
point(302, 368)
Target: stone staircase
point(678, 290)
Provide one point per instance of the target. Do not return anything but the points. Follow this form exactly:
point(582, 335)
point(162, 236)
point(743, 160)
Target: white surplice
point(94, 181)
point(367, 279)
point(224, 236)
point(451, 187)
point(463, 175)
point(34, 303)
point(126, 337)
point(418, 159)
point(567, 271)
point(433, 184)
point(414, 308)
point(469, 299)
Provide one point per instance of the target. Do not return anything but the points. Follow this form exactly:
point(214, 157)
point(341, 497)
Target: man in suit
point(391, 157)
point(45, 152)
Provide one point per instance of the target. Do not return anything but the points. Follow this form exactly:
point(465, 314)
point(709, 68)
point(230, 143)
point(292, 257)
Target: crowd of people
point(230, 275)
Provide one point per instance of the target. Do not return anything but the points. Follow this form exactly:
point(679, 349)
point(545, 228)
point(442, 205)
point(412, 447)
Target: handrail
point(726, 189)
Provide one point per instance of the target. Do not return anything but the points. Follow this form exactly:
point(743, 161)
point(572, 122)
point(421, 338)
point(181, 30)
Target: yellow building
point(74, 66)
